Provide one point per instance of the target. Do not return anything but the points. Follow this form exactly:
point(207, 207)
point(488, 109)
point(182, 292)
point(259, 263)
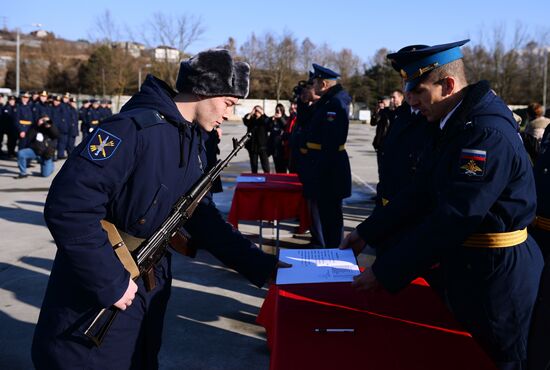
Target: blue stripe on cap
point(441, 58)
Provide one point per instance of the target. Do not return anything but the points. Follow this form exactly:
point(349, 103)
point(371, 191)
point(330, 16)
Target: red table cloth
point(280, 197)
point(410, 330)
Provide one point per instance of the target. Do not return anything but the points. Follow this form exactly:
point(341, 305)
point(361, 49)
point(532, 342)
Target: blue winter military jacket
point(541, 231)
point(326, 170)
point(23, 117)
point(131, 171)
point(406, 144)
point(478, 179)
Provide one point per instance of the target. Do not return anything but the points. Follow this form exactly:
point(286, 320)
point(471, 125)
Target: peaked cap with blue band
point(323, 72)
point(415, 61)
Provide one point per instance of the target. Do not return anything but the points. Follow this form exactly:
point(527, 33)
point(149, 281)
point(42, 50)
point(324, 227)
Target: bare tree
point(307, 54)
point(175, 31)
point(346, 63)
point(251, 51)
point(105, 28)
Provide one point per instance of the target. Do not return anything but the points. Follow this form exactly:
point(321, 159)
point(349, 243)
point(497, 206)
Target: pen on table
point(334, 330)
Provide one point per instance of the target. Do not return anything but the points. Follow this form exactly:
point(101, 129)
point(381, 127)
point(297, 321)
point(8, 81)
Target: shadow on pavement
point(28, 287)
point(31, 203)
point(15, 214)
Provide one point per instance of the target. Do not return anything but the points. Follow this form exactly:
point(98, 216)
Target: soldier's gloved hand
point(354, 241)
point(126, 300)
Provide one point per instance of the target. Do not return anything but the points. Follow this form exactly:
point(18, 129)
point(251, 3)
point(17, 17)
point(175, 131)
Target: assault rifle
point(141, 262)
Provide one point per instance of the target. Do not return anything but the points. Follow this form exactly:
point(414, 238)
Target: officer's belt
point(542, 223)
point(24, 122)
point(496, 240)
point(315, 146)
point(131, 241)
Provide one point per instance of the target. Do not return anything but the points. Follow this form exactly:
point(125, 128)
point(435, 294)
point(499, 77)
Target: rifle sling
point(121, 248)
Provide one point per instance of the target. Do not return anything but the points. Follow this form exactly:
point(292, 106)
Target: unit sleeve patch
point(101, 146)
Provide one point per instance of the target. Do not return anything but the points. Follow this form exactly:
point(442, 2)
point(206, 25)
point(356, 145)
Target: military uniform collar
point(448, 115)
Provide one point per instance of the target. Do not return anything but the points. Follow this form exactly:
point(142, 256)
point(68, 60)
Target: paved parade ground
point(210, 321)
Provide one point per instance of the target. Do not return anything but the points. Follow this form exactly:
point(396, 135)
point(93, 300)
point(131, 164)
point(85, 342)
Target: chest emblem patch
point(472, 162)
point(331, 116)
point(102, 145)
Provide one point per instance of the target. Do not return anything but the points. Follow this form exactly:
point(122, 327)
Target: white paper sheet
point(251, 179)
point(317, 266)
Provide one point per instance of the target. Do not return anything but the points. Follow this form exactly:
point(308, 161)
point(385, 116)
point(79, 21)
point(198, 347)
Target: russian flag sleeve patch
point(472, 162)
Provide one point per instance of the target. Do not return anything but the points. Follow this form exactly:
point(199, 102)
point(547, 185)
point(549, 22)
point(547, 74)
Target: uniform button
point(142, 221)
point(545, 171)
point(469, 267)
point(155, 202)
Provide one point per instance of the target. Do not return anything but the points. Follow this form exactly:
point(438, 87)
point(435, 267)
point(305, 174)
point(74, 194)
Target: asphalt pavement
point(210, 320)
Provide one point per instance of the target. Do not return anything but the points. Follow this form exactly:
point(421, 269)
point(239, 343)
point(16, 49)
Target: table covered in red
point(411, 330)
point(278, 198)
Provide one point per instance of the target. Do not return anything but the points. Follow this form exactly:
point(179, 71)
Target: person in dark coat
point(471, 205)
point(212, 148)
point(40, 145)
point(257, 125)
point(130, 171)
point(24, 117)
point(277, 125)
point(7, 125)
point(59, 117)
point(327, 174)
point(539, 337)
point(84, 118)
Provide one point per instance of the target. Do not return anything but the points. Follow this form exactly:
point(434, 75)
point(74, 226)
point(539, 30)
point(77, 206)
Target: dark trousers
point(133, 341)
point(538, 349)
point(332, 221)
point(281, 164)
point(264, 159)
point(62, 141)
point(11, 139)
point(70, 144)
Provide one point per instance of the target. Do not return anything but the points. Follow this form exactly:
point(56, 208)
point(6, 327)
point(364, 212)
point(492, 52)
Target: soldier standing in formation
point(326, 172)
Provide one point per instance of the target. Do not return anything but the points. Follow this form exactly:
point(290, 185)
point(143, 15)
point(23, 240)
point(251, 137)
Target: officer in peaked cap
point(469, 208)
point(327, 175)
point(156, 126)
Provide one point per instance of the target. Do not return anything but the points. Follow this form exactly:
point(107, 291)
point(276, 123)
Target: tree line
point(278, 61)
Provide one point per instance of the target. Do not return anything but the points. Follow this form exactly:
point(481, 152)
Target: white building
point(166, 53)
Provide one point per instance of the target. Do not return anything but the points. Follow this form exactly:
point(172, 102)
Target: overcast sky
point(363, 26)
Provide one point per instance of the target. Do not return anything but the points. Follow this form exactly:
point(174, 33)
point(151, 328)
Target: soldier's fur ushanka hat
point(214, 73)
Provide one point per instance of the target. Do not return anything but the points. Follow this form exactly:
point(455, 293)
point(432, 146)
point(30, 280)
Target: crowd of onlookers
point(44, 127)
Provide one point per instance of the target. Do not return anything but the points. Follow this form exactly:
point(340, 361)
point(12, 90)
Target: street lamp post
point(139, 75)
point(18, 56)
point(544, 79)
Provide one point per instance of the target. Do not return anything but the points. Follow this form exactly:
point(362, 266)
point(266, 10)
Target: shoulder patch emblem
point(102, 145)
point(472, 162)
point(331, 116)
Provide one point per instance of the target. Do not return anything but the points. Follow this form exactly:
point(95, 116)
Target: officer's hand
point(354, 241)
point(280, 264)
point(126, 300)
point(365, 281)
point(22, 134)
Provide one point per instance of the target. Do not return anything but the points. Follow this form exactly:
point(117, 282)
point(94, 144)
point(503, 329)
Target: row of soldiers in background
point(19, 115)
